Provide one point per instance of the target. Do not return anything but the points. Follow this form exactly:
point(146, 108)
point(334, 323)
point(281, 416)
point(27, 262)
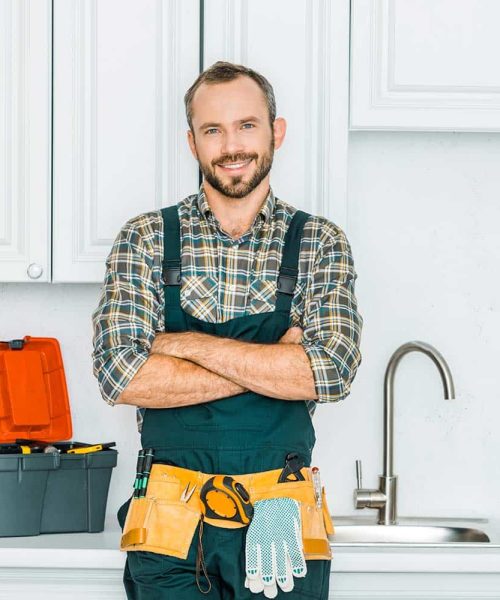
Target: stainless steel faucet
point(384, 499)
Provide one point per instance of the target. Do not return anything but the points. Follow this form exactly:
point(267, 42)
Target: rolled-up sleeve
point(331, 322)
point(124, 321)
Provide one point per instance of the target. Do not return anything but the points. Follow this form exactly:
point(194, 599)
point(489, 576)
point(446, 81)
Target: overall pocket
point(161, 526)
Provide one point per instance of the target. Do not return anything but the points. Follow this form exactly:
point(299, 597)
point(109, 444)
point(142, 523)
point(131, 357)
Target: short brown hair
point(222, 71)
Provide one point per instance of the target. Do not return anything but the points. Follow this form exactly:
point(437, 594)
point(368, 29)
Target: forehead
point(228, 101)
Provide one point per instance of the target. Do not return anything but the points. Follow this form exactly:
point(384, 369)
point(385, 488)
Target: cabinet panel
point(25, 142)
point(302, 48)
point(413, 586)
point(121, 69)
point(425, 65)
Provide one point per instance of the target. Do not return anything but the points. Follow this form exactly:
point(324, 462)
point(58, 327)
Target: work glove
point(273, 548)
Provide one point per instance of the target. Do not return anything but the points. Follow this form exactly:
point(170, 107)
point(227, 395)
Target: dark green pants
point(151, 576)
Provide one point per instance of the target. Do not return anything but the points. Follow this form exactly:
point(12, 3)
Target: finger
point(252, 562)
point(255, 585)
point(254, 580)
point(269, 564)
point(299, 566)
point(294, 332)
point(271, 591)
point(285, 576)
point(281, 563)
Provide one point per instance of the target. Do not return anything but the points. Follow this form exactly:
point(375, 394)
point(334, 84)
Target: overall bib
point(244, 433)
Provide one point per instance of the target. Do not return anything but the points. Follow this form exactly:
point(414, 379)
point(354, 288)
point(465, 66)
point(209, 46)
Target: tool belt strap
point(260, 485)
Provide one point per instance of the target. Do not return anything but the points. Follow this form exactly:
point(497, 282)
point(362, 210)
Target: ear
point(279, 127)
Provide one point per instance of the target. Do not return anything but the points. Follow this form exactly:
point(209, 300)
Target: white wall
point(423, 224)
point(423, 220)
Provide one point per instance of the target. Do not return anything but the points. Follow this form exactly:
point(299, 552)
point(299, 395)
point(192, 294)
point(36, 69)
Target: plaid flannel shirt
point(222, 279)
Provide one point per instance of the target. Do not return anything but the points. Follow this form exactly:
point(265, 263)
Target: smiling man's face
point(234, 142)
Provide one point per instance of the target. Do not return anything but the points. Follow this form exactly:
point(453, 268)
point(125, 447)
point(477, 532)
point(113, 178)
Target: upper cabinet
point(429, 65)
point(121, 69)
point(25, 139)
point(93, 127)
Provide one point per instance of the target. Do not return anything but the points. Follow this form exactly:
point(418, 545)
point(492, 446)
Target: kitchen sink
point(409, 530)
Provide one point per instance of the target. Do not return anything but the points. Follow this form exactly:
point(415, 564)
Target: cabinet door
point(25, 153)
point(302, 48)
point(121, 69)
point(428, 65)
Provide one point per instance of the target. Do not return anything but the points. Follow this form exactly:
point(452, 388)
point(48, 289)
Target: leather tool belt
point(165, 519)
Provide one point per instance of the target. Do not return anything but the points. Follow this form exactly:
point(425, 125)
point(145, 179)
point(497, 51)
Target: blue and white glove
point(273, 549)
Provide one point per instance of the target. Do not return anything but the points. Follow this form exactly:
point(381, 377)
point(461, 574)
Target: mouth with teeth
point(235, 167)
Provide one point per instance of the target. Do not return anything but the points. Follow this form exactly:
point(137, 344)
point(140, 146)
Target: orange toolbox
point(47, 484)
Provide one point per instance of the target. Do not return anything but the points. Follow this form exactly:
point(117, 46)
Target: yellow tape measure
point(222, 498)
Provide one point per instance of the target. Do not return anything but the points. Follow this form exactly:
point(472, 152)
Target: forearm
point(166, 381)
point(276, 370)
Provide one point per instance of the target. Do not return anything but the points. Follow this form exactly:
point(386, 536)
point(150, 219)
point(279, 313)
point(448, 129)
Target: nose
point(232, 143)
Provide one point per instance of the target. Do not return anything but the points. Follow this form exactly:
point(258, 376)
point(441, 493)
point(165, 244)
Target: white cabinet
point(110, 124)
point(25, 139)
point(96, 133)
point(430, 65)
point(89, 565)
point(121, 69)
point(302, 48)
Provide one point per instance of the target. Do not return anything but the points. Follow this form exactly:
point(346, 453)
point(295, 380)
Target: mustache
point(234, 160)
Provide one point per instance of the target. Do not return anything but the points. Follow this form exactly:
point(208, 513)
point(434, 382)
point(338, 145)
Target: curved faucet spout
point(449, 392)
point(385, 498)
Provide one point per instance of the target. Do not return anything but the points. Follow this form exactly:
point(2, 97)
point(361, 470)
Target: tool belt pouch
point(160, 525)
point(317, 523)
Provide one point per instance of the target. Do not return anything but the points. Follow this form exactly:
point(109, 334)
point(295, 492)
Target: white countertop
point(101, 551)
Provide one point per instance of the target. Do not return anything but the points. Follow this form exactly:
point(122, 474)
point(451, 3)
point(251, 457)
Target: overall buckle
point(287, 280)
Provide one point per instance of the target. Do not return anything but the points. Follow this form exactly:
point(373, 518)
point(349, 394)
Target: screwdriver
point(138, 474)
point(146, 471)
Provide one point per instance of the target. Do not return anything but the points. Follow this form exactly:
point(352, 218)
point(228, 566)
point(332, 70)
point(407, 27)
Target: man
point(225, 319)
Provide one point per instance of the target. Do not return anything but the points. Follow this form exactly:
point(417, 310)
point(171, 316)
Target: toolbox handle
point(14, 344)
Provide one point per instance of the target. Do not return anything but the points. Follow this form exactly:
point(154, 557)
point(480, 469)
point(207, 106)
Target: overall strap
point(289, 269)
point(171, 269)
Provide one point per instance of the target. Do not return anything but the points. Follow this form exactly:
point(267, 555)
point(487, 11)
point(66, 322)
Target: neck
point(236, 215)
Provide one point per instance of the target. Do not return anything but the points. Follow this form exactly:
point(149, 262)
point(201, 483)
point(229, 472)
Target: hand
point(273, 547)
point(293, 335)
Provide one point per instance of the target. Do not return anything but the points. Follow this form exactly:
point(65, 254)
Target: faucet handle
point(358, 474)
point(367, 498)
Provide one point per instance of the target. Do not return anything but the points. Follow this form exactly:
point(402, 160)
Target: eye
point(211, 129)
point(251, 124)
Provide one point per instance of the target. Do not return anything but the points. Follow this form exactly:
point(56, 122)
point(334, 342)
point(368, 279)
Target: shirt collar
point(265, 212)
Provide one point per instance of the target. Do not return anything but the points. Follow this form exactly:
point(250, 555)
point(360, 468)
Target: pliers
point(293, 464)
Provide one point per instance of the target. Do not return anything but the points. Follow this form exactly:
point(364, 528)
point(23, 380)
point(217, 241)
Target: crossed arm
point(136, 364)
point(192, 367)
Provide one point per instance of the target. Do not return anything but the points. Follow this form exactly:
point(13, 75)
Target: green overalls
point(245, 433)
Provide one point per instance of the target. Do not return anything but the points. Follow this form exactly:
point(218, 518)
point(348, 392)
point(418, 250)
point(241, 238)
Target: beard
point(238, 187)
